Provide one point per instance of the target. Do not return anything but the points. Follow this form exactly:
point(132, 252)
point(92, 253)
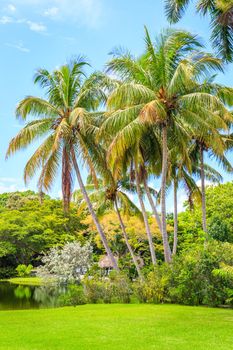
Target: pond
point(16, 297)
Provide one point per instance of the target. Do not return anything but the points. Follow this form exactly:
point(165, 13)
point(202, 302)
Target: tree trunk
point(166, 247)
point(149, 235)
point(66, 180)
point(175, 219)
point(92, 212)
point(152, 204)
point(203, 199)
point(127, 241)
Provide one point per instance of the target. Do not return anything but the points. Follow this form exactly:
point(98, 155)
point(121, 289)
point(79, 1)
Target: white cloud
point(51, 12)
point(85, 12)
point(6, 20)
point(19, 46)
point(207, 183)
point(36, 27)
point(8, 179)
point(6, 187)
point(11, 8)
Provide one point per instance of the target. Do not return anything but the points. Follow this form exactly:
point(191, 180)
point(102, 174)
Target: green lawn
point(32, 281)
point(117, 327)
point(29, 281)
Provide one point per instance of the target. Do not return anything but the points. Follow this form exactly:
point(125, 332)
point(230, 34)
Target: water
point(16, 297)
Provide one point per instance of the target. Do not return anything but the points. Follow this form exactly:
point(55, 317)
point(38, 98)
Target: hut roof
point(105, 262)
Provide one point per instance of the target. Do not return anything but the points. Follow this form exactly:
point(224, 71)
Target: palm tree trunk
point(127, 241)
point(152, 204)
point(148, 231)
point(92, 212)
point(66, 180)
point(166, 247)
point(175, 219)
point(203, 199)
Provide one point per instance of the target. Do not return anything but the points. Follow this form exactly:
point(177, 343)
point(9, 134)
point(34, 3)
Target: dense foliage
point(197, 277)
point(163, 114)
point(219, 218)
point(28, 227)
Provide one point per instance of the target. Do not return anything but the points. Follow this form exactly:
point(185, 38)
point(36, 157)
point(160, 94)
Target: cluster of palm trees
point(152, 116)
point(221, 21)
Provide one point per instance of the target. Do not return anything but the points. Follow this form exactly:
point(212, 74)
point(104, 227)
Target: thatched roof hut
point(106, 263)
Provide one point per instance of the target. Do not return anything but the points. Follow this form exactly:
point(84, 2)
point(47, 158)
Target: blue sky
point(45, 33)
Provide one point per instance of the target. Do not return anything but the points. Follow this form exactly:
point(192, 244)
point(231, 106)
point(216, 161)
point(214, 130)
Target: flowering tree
point(67, 263)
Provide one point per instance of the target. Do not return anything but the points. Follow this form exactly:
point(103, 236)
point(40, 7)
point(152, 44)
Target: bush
point(68, 263)
point(154, 288)
point(7, 272)
point(24, 270)
point(74, 296)
point(200, 276)
point(115, 289)
point(193, 278)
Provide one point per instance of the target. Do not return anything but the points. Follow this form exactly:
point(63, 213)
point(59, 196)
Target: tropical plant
point(160, 91)
point(215, 146)
point(180, 175)
point(221, 21)
point(24, 270)
point(113, 197)
point(66, 119)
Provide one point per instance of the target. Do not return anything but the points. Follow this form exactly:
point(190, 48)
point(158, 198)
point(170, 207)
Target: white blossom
point(67, 263)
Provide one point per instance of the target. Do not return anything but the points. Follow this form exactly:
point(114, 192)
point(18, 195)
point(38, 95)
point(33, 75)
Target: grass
point(26, 281)
point(117, 327)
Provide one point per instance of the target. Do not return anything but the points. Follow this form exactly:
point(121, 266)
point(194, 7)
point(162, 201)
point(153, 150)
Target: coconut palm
point(180, 175)
point(64, 120)
point(214, 145)
point(131, 162)
point(161, 92)
point(145, 218)
point(221, 21)
point(108, 197)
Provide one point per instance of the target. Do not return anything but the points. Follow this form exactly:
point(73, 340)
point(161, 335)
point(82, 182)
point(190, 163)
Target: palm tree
point(145, 218)
point(214, 145)
point(160, 91)
point(113, 197)
point(131, 161)
point(221, 21)
point(64, 119)
point(180, 174)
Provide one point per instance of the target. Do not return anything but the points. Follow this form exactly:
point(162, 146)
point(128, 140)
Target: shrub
point(114, 289)
point(154, 288)
point(74, 296)
point(92, 290)
point(200, 276)
point(7, 272)
point(193, 280)
point(121, 287)
point(24, 270)
point(68, 263)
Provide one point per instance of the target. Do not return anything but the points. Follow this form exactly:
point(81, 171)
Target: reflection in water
point(29, 297)
point(23, 292)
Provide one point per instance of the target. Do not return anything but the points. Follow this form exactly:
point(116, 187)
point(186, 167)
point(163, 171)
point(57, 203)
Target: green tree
point(65, 118)
point(29, 227)
point(219, 205)
point(161, 91)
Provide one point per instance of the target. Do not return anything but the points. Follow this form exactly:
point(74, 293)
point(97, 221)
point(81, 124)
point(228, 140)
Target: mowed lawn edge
point(117, 326)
